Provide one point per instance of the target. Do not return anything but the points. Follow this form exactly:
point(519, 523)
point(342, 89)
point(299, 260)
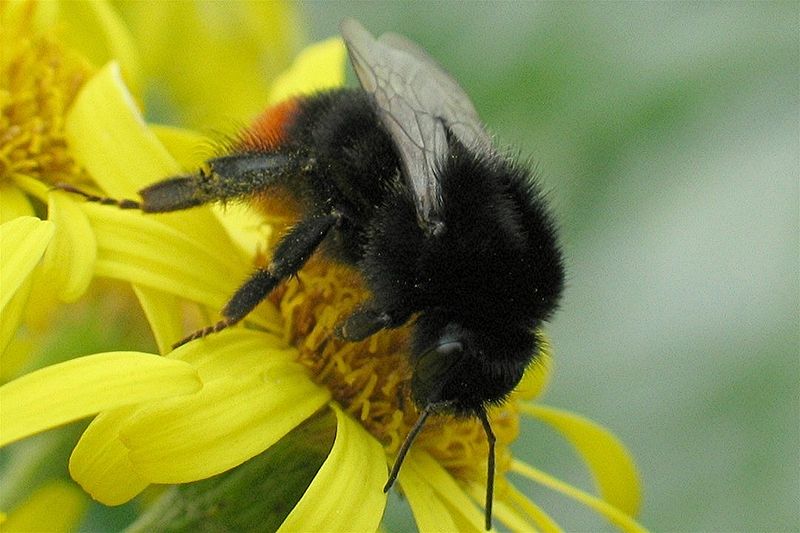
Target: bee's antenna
point(406, 445)
point(481, 414)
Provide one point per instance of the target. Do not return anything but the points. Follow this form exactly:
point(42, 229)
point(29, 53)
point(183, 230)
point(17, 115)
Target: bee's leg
point(366, 321)
point(231, 176)
point(292, 252)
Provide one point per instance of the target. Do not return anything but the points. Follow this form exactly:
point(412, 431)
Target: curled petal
point(23, 241)
point(231, 420)
point(87, 385)
point(320, 509)
point(100, 463)
point(609, 462)
point(69, 262)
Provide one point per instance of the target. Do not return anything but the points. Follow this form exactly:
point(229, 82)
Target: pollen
point(371, 379)
point(39, 79)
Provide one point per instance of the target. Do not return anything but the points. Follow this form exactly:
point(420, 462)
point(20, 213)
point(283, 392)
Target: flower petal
point(85, 386)
point(233, 353)
point(23, 241)
point(110, 139)
point(13, 204)
point(185, 439)
point(188, 147)
point(55, 506)
point(356, 466)
point(614, 515)
point(69, 261)
point(148, 252)
point(437, 501)
point(100, 463)
point(163, 312)
point(510, 517)
point(319, 66)
point(235, 49)
point(542, 520)
point(98, 32)
point(609, 462)
point(537, 376)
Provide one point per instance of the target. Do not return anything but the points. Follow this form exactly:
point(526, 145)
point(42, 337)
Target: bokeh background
point(668, 137)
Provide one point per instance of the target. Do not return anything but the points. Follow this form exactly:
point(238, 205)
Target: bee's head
point(464, 368)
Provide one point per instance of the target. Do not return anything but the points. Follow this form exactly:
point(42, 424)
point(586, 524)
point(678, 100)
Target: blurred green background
point(668, 136)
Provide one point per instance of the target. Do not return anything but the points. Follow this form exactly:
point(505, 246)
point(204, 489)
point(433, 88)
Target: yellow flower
point(216, 404)
point(48, 248)
point(49, 50)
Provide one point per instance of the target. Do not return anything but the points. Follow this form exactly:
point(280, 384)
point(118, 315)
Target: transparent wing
point(417, 101)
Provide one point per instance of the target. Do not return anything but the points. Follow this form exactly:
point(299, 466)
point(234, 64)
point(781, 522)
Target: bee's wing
point(417, 101)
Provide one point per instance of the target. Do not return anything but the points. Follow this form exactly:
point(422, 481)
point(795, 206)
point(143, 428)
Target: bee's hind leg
point(290, 255)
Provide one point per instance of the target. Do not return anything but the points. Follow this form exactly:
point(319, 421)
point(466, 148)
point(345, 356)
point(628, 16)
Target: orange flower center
point(39, 79)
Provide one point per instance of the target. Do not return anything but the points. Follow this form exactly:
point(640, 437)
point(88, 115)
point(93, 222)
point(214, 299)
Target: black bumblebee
point(400, 179)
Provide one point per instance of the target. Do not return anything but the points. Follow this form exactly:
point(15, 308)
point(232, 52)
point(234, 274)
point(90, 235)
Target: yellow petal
point(81, 387)
point(450, 492)
point(537, 376)
point(356, 466)
point(148, 252)
point(108, 136)
point(69, 261)
point(100, 462)
point(188, 147)
point(55, 506)
point(14, 355)
point(234, 49)
point(437, 501)
point(609, 462)
point(185, 439)
point(13, 204)
point(97, 31)
point(233, 353)
point(318, 67)
point(163, 312)
point(246, 227)
point(614, 515)
point(23, 241)
point(542, 520)
point(32, 186)
point(510, 518)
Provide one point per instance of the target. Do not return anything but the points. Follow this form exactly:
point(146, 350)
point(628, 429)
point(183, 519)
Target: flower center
point(370, 379)
point(39, 79)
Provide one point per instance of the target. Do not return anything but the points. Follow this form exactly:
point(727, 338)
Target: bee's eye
point(449, 348)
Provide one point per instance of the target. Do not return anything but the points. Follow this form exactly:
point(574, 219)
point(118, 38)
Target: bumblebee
point(400, 179)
